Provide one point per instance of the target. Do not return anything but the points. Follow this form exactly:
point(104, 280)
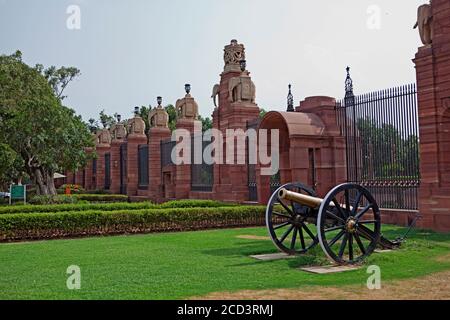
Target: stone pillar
point(118, 135)
point(433, 87)
point(236, 108)
point(158, 132)
point(182, 177)
point(136, 137)
point(103, 146)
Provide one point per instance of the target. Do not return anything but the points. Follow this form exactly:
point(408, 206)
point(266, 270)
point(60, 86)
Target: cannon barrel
point(305, 200)
point(302, 199)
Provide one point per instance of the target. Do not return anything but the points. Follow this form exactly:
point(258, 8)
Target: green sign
point(18, 192)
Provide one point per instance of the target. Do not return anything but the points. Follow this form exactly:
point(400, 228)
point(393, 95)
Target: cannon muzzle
point(302, 199)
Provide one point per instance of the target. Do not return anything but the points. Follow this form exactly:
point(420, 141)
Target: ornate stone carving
point(233, 55)
point(215, 93)
point(158, 118)
point(136, 126)
point(103, 138)
point(118, 131)
point(187, 108)
point(425, 23)
point(241, 89)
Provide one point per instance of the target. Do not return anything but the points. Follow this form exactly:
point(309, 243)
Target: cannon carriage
point(346, 223)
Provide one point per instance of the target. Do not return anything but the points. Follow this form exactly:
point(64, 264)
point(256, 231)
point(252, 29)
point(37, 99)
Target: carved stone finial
point(290, 101)
point(348, 84)
point(103, 138)
point(234, 53)
point(158, 118)
point(118, 131)
point(425, 23)
point(187, 107)
point(136, 126)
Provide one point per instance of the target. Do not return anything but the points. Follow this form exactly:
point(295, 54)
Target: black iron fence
point(123, 168)
point(381, 131)
point(143, 173)
point(107, 171)
point(166, 152)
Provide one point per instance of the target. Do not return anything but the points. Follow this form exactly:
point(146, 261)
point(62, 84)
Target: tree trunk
point(44, 182)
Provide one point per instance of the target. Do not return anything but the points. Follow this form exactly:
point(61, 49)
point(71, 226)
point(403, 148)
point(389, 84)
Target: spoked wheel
point(349, 224)
point(287, 222)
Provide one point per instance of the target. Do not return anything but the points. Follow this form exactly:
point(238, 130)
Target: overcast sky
point(129, 52)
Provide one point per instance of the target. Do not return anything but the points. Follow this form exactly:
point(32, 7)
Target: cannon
point(346, 223)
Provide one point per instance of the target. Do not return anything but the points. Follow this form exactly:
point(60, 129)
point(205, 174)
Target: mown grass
point(182, 265)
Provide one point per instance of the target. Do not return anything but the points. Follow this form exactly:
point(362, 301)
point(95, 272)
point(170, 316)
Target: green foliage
point(52, 199)
point(47, 136)
point(172, 112)
point(101, 197)
point(106, 120)
point(386, 152)
point(194, 264)
point(71, 224)
point(113, 206)
point(58, 79)
point(262, 113)
point(206, 123)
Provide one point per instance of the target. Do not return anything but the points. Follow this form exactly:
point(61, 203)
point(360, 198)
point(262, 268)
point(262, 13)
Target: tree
point(206, 123)
point(45, 135)
point(106, 120)
point(58, 79)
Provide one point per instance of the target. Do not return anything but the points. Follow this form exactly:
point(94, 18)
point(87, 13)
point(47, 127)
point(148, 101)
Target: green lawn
point(182, 265)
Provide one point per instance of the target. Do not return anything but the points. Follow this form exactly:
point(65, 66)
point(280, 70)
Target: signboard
point(18, 192)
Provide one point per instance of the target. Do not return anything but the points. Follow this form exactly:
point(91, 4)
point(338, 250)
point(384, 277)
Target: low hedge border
point(101, 197)
point(111, 206)
point(40, 226)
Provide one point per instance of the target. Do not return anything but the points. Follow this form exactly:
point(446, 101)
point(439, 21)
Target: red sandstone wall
point(433, 84)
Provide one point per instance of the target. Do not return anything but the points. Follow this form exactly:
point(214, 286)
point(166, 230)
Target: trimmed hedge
point(58, 199)
point(112, 206)
point(101, 197)
point(15, 227)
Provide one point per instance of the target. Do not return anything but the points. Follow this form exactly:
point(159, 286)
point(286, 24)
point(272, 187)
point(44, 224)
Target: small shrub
point(49, 200)
point(74, 189)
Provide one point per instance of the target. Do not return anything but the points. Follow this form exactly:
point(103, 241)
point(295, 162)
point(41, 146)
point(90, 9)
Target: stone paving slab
point(330, 269)
point(383, 251)
point(272, 257)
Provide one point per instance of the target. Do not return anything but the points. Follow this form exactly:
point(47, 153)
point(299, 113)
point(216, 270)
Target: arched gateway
point(312, 149)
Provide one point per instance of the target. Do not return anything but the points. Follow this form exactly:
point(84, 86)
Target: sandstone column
point(433, 88)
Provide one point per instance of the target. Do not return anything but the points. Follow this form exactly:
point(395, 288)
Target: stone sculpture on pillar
point(136, 126)
point(103, 138)
point(158, 117)
point(118, 131)
point(215, 93)
point(234, 53)
point(425, 23)
point(242, 88)
point(186, 107)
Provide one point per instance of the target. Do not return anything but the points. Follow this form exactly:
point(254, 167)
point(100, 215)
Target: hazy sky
point(129, 52)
